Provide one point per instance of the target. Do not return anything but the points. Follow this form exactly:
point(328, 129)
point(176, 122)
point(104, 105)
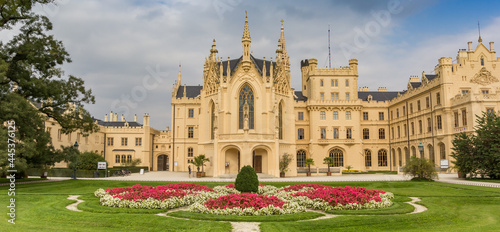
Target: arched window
point(368, 158)
point(212, 126)
point(431, 153)
point(442, 151)
point(190, 152)
point(301, 158)
point(381, 133)
point(280, 115)
point(338, 157)
point(400, 158)
point(366, 133)
point(393, 157)
point(413, 151)
point(382, 158)
point(246, 107)
point(407, 155)
point(482, 61)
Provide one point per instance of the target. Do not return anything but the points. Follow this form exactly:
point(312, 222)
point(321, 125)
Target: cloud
point(113, 43)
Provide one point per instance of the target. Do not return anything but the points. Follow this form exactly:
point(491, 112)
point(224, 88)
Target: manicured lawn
point(41, 207)
point(5, 180)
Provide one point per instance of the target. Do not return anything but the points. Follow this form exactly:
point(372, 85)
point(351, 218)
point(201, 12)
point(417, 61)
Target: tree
point(309, 162)
point(479, 153)
point(199, 161)
point(328, 161)
point(33, 87)
point(285, 161)
point(86, 161)
point(420, 169)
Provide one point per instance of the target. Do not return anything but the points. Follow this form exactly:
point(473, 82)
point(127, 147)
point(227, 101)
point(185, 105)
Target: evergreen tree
point(33, 87)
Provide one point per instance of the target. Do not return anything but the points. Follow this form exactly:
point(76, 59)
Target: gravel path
point(74, 206)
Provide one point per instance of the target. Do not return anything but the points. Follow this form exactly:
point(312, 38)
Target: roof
point(300, 97)
point(117, 123)
point(430, 77)
point(377, 95)
point(259, 64)
point(191, 91)
point(415, 84)
point(123, 150)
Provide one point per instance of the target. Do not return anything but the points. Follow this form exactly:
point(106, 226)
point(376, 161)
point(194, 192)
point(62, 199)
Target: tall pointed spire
point(282, 40)
point(213, 51)
point(245, 42)
point(479, 31)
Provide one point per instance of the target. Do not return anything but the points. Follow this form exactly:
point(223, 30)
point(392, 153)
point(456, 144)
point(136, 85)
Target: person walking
point(189, 169)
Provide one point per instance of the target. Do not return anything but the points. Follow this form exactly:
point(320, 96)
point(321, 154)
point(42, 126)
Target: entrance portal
point(163, 163)
point(257, 164)
point(232, 161)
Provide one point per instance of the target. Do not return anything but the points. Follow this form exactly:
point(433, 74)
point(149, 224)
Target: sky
point(128, 52)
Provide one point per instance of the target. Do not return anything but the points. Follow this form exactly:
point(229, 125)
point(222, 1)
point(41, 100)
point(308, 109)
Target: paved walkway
point(183, 177)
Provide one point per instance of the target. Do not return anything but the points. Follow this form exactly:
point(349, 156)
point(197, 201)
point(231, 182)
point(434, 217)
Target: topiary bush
point(247, 180)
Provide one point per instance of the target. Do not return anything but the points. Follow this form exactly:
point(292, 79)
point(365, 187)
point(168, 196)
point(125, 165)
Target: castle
point(246, 113)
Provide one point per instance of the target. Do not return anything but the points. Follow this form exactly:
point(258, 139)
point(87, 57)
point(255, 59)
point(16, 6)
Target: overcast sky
point(128, 52)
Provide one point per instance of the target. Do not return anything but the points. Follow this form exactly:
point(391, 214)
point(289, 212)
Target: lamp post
point(421, 149)
point(76, 158)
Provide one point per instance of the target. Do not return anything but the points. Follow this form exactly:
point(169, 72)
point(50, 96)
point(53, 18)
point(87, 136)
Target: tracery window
point(246, 107)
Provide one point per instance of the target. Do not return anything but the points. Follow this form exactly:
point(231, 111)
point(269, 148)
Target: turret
point(245, 42)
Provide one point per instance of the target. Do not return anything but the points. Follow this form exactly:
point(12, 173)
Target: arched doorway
point(163, 164)
point(232, 161)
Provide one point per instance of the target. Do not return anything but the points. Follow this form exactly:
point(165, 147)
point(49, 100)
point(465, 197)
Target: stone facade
point(330, 116)
point(246, 113)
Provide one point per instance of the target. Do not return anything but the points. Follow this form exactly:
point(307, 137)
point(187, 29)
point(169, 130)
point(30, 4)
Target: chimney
point(106, 117)
point(111, 116)
point(123, 118)
point(414, 79)
point(135, 117)
point(382, 89)
point(116, 118)
point(492, 46)
point(470, 45)
point(365, 89)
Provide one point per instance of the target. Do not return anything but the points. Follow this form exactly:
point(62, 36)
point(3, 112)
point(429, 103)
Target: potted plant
point(329, 162)
point(309, 162)
point(285, 160)
point(199, 161)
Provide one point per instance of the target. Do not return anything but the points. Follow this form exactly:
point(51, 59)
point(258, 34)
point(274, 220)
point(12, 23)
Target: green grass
point(5, 180)
point(270, 218)
point(41, 207)
point(345, 172)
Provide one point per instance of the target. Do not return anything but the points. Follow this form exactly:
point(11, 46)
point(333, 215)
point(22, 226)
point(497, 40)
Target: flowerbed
point(246, 204)
point(226, 200)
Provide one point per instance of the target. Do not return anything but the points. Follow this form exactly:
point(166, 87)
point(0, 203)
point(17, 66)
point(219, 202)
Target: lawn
point(41, 207)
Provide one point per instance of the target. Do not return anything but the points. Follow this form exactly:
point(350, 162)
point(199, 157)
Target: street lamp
point(76, 158)
point(421, 149)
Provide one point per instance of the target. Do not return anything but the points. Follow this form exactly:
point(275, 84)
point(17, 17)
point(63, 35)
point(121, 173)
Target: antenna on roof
point(329, 53)
point(479, 31)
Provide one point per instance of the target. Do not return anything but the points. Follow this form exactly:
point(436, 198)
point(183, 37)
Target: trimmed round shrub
point(247, 180)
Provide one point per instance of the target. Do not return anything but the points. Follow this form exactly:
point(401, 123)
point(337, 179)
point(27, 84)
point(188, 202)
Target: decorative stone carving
point(484, 77)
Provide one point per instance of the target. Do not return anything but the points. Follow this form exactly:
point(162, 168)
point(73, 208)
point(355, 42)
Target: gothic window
point(442, 151)
point(464, 117)
point(322, 115)
point(190, 132)
point(335, 115)
point(301, 158)
point(117, 159)
point(246, 107)
point(482, 61)
point(323, 133)
point(190, 113)
point(190, 152)
point(280, 120)
point(348, 115)
point(301, 116)
point(382, 158)
point(212, 126)
point(348, 133)
point(129, 158)
point(335, 133)
point(338, 157)
point(368, 158)
point(381, 116)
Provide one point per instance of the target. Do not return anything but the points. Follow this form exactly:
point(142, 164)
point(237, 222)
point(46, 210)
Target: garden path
point(74, 206)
